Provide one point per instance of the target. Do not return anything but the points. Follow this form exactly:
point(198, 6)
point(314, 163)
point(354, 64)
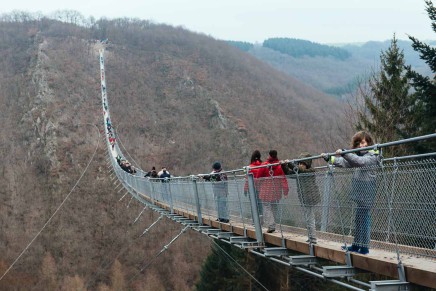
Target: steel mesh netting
point(304, 200)
point(401, 203)
point(183, 196)
point(238, 204)
point(143, 186)
point(157, 190)
point(207, 200)
point(337, 206)
point(223, 198)
point(245, 213)
point(123, 177)
point(405, 211)
point(273, 204)
point(402, 207)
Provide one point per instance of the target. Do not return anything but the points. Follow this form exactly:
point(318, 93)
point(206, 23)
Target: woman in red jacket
point(255, 162)
point(272, 187)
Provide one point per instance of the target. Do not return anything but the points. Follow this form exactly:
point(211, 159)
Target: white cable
point(59, 207)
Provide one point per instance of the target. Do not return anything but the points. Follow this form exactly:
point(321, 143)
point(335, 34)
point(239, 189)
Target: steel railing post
point(390, 200)
point(167, 186)
point(197, 200)
point(254, 210)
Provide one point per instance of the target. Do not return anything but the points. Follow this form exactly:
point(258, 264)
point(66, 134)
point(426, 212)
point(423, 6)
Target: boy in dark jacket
point(308, 192)
point(220, 191)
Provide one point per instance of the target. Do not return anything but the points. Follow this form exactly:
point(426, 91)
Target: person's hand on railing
point(325, 156)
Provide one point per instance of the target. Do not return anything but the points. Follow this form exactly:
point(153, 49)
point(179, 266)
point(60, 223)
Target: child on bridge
point(363, 188)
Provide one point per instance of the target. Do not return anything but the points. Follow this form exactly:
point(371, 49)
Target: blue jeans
point(362, 227)
point(363, 194)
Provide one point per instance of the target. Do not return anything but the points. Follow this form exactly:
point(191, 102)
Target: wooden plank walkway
point(419, 270)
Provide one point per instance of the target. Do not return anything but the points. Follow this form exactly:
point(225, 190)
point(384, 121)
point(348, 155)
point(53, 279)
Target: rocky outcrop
point(41, 128)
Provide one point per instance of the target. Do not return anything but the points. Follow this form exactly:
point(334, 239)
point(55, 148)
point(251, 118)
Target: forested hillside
point(300, 48)
point(333, 70)
point(49, 84)
point(177, 99)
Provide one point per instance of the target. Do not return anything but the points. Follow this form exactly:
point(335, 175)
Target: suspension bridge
point(403, 215)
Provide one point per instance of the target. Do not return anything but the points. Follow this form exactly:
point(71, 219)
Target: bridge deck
point(419, 270)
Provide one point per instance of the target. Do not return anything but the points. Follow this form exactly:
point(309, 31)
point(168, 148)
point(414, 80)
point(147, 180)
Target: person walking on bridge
point(273, 186)
point(152, 174)
point(363, 188)
point(220, 191)
point(165, 179)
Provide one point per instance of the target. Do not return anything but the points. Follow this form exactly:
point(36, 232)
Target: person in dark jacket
point(152, 174)
point(165, 179)
point(108, 124)
point(126, 166)
point(273, 187)
point(307, 190)
point(220, 191)
point(165, 175)
point(363, 187)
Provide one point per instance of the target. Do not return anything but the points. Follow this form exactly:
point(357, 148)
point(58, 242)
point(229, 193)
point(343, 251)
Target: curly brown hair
point(359, 136)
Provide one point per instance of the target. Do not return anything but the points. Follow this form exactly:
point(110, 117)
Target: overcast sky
point(323, 21)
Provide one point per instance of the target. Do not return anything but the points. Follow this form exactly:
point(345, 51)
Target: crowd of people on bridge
point(110, 133)
point(163, 174)
point(269, 192)
point(271, 185)
point(125, 165)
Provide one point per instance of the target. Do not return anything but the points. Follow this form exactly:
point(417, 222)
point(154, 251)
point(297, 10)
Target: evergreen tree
point(386, 111)
point(242, 45)
point(219, 272)
point(425, 87)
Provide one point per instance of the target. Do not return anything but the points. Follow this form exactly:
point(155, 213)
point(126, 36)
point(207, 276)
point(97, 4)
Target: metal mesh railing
point(396, 210)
